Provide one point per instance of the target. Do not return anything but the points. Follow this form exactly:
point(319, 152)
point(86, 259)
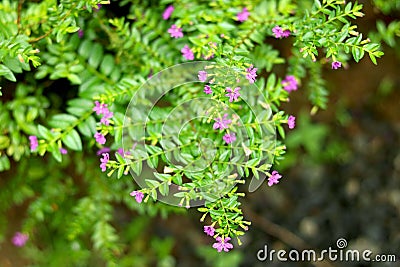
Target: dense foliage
point(90, 82)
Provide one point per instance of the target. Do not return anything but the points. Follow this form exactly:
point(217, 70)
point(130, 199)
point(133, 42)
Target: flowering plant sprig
point(203, 139)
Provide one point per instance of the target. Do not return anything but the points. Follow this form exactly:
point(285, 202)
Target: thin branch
point(284, 235)
point(19, 10)
point(51, 30)
point(41, 37)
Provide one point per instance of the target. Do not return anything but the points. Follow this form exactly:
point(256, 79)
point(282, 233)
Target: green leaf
point(107, 65)
point(7, 73)
point(4, 163)
point(177, 179)
point(96, 55)
point(358, 53)
point(317, 4)
point(74, 78)
point(152, 183)
point(118, 135)
point(373, 58)
point(85, 48)
point(162, 176)
point(120, 159)
point(88, 127)
point(73, 140)
point(44, 132)
point(62, 121)
point(137, 167)
point(55, 151)
point(164, 189)
point(120, 171)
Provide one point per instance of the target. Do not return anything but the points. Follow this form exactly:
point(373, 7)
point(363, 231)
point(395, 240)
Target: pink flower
point(290, 83)
point(209, 230)
point(336, 65)
point(221, 123)
point(100, 138)
point(291, 122)
point(202, 76)
point(103, 109)
point(243, 16)
point(106, 117)
point(274, 178)
point(63, 151)
point(251, 74)
point(104, 161)
point(167, 12)
point(33, 142)
point(100, 108)
point(187, 53)
point(233, 94)
point(207, 89)
point(80, 33)
point(229, 138)
point(138, 196)
point(19, 239)
point(286, 33)
point(279, 32)
point(223, 244)
point(103, 150)
point(175, 31)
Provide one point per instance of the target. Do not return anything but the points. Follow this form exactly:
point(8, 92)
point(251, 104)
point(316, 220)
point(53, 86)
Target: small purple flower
point(19, 239)
point(106, 118)
point(100, 108)
point(122, 152)
point(290, 83)
point(244, 15)
point(187, 53)
point(103, 150)
point(336, 65)
point(167, 12)
point(274, 178)
point(286, 33)
point(138, 196)
point(223, 244)
point(279, 32)
point(207, 89)
point(104, 160)
point(209, 230)
point(33, 142)
point(96, 9)
point(221, 123)
point(251, 74)
point(100, 138)
point(63, 151)
point(202, 76)
point(233, 94)
point(229, 138)
point(80, 33)
point(175, 31)
point(291, 122)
